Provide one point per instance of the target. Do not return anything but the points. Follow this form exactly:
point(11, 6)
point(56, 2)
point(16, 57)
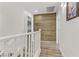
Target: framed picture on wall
point(71, 10)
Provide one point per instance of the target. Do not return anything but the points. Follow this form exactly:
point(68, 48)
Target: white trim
point(37, 54)
point(44, 13)
point(10, 36)
point(37, 49)
point(61, 51)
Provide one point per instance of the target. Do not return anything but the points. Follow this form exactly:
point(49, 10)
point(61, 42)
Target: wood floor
point(48, 49)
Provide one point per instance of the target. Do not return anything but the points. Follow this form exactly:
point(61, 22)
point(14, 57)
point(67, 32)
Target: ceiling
point(34, 7)
point(40, 7)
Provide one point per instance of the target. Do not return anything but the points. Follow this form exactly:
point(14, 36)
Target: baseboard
point(37, 54)
point(61, 51)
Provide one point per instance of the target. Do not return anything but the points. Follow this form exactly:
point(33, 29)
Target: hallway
point(21, 34)
point(48, 49)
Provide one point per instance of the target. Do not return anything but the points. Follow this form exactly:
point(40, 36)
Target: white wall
point(68, 33)
point(11, 19)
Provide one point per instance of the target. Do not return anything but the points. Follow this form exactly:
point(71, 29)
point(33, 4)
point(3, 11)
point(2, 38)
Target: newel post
point(39, 41)
point(40, 30)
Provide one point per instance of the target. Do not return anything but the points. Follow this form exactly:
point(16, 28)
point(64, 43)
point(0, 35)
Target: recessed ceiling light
point(35, 10)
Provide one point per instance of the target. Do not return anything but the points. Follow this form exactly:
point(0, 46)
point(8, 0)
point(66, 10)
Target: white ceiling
point(32, 6)
point(40, 6)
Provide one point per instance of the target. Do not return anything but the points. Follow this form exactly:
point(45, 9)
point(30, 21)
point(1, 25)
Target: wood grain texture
point(48, 49)
point(47, 23)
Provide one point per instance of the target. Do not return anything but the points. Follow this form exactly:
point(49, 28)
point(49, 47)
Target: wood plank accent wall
point(47, 23)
